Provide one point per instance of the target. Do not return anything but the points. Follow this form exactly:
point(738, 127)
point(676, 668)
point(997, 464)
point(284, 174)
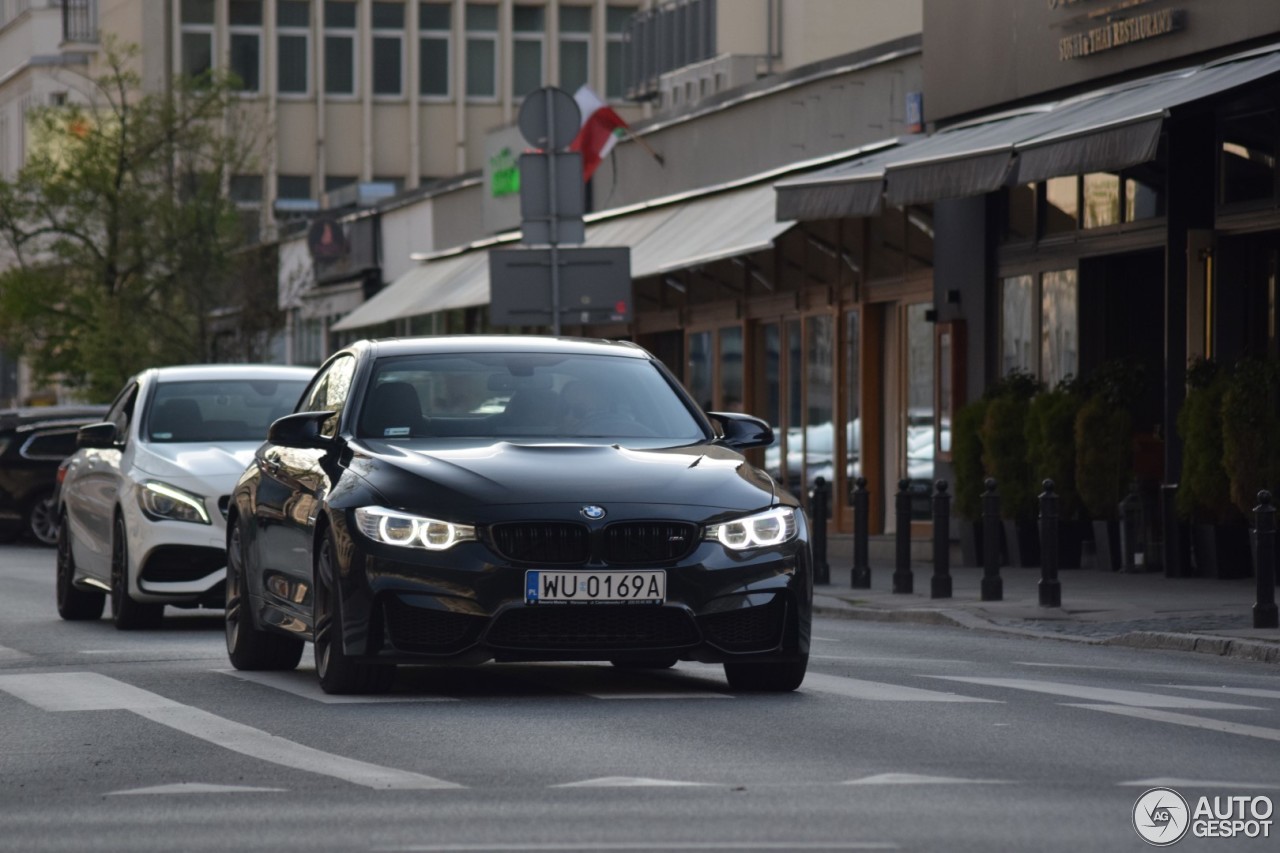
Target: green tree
point(1051, 443)
point(1004, 443)
point(119, 229)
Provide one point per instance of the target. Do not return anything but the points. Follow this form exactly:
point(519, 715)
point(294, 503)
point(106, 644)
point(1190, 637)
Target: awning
point(450, 282)
point(1101, 131)
point(694, 231)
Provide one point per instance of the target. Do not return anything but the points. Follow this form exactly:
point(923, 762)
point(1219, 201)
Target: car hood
point(218, 465)
point(504, 473)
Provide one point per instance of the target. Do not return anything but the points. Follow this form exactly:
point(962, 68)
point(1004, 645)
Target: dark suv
point(33, 441)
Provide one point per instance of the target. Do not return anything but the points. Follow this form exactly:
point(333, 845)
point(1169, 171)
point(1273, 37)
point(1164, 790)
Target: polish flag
point(601, 127)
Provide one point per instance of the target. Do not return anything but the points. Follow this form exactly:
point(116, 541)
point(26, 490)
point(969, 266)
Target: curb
point(1251, 650)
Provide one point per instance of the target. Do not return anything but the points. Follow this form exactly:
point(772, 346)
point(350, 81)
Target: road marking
point(1135, 698)
point(1187, 720)
point(642, 846)
point(630, 782)
point(1230, 691)
point(1069, 665)
point(875, 691)
point(1172, 782)
point(196, 788)
point(915, 779)
point(304, 684)
point(7, 653)
point(90, 691)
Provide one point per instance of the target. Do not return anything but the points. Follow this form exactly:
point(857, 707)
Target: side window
point(55, 444)
point(121, 412)
point(329, 391)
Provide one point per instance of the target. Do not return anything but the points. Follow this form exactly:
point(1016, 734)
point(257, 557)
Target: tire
point(74, 604)
point(42, 520)
point(338, 673)
point(248, 647)
point(646, 663)
point(766, 677)
point(128, 615)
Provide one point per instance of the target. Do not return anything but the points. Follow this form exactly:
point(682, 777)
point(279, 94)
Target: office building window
point(388, 49)
point(333, 182)
point(1061, 205)
point(1101, 199)
point(293, 47)
point(293, 186)
point(482, 50)
point(340, 47)
point(616, 19)
point(527, 73)
point(245, 36)
point(1039, 325)
point(1247, 154)
point(575, 47)
point(434, 59)
point(197, 37)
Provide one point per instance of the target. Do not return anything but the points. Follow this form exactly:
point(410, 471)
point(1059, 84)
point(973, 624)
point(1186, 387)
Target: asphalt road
point(902, 738)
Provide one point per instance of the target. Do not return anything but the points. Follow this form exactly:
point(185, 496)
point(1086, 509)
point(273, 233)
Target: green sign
point(506, 174)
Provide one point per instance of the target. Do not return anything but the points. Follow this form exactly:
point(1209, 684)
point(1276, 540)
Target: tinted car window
point(219, 410)
point(329, 390)
point(514, 395)
point(55, 444)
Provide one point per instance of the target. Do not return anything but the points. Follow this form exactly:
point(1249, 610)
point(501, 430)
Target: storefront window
point(819, 433)
point(1061, 205)
point(1144, 190)
point(731, 369)
point(1248, 155)
point(698, 377)
point(1101, 199)
point(1020, 213)
point(768, 386)
point(919, 439)
point(853, 412)
point(1017, 321)
point(1060, 338)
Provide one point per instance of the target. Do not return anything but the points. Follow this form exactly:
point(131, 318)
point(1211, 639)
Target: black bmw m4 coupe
point(456, 500)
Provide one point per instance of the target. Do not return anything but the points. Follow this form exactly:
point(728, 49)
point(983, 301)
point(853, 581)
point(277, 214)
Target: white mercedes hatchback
point(142, 503)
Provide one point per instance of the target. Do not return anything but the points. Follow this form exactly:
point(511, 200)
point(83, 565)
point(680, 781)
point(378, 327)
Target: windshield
point(522, 395)
point(219, 409)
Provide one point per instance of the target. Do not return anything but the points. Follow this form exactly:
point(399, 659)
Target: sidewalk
point(1145, 610)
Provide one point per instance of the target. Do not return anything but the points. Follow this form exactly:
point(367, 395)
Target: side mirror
point(102, 436)
point(742, 432)
point(301, 430)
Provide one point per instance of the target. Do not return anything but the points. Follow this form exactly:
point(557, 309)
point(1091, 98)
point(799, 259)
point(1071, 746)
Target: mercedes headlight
point(162, 502)
point(411, 531)
point(772, 527)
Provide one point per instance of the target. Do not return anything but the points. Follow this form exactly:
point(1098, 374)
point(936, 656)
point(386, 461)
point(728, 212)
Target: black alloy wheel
point(42, 519)
point(129, 615)
point(338, 673)
point(74, 604)
point(248, 647)
point(766, 677)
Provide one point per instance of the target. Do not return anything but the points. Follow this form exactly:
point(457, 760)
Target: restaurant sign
point(1115, 27)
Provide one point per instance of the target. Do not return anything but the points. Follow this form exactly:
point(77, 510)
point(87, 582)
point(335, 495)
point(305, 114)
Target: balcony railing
point(80, 21)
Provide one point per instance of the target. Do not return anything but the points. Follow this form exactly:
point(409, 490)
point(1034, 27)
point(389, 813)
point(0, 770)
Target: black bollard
point(861, 577)
point(1050, 588)
point(940, 587)
point(903, 582)
point(1264, 610)
point(818, 500)
point(992, 585)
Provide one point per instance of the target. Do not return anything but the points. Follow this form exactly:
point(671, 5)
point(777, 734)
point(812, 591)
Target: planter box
point(1070, 543)
point(1022, 541)
point(970, 543)
point(1106, 543)
point(1221, 551)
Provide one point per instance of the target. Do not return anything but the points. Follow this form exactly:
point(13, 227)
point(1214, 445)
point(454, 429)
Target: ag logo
point(1161, 817)
point(594, 513)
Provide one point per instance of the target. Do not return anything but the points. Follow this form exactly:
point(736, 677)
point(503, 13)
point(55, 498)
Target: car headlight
point(772, 527)
point(411, 531)
point(162, 502)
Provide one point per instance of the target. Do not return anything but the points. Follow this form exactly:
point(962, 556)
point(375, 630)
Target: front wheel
point(74, 604)
point(339, 674)
point(766, 677)
point(248, 647)
point(42, 520)
point(129, 615)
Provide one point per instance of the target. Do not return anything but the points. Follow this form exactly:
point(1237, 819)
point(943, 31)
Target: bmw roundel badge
point(594, 513)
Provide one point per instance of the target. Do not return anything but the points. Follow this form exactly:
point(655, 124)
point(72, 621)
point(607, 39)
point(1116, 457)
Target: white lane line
point(915, 779)
point(1069, 665)
point(1174, 782)
point(1135, 698)
point(90, 691)
point(1255, 692)
point(7, 653)
point(1186, 720)
point(630, 782)
point(196, 788)
point(875, 691)
point(641, 846)
point(304, 684)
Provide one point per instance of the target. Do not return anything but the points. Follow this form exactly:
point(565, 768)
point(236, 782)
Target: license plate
point(547, 587)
